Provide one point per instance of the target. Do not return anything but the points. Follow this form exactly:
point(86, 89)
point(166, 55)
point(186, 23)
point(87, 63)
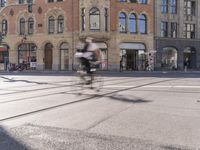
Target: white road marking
point(173, 86)
point(153, 86)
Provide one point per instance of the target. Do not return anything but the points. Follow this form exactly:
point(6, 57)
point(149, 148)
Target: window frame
point(51, 25)
point(22, 26)
point(134, 21)
point(95, 13)
point(124, 19)
point(143, 20)
point(30, 26)
point(60, 24)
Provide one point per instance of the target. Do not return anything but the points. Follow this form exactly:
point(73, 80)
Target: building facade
point(46, 39)
point(132, 31)
point(177, 38)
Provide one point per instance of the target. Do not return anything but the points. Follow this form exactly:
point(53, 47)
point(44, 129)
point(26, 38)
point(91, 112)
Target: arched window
point(143, 1)
point(169, 58)
point(64, 56)
point(94, 19)
point(3, 3)
point(83, 19)
point(133, 23)
point(189, 57)
point(30, 25)
point(22, 26)
point(122, 22)
point(4, 27)
point(51, 27)
point(21, 1)
point(60, 26)
point(143, 24)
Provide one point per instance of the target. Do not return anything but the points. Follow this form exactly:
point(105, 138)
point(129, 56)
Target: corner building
point(177, 37)
point(47, 38)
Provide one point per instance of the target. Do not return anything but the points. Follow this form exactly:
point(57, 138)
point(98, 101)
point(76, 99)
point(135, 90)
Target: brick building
point(44, 37)
point(132, 30)
point(47, 37)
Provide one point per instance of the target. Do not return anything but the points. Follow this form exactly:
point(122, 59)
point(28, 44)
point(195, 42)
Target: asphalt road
point(132, 111)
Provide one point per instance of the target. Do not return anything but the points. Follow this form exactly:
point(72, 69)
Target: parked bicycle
point(17, 67)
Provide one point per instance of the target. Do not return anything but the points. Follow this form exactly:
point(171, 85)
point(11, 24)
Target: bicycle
point(87, 81)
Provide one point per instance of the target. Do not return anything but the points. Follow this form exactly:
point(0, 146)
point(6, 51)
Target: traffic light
point(30, 7)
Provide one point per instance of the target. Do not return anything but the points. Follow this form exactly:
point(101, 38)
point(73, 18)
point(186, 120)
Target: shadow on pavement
point(7, 142)
point(128, 100)
point(26, 81)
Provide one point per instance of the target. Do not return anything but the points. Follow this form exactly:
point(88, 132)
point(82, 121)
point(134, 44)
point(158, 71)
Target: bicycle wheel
point(97, 82)
point(77, 83)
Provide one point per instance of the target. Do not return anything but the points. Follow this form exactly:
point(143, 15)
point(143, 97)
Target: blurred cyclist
point(87, 54)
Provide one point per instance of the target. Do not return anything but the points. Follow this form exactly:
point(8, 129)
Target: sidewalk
point(109, 72)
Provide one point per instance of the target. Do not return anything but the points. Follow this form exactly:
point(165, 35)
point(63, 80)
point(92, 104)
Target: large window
point(189, 31)
point(30, 26)
point(64, 56)
point(22, 26)
point(164, 29)
point(169, 58)
point(189, 7)
point(143, 1)
point(143, 24)
point(60, 25)
point(122, 22)
point(27, 54)
point(51, 26)
point(133, 23)
point(174, 30)
point(94, 19)
point(164, 6)
point(133, 1)
point(4, 27)
point(21, 1)
point(83, 19)
point(106, 19)
point(173, 6)
point(3, 3)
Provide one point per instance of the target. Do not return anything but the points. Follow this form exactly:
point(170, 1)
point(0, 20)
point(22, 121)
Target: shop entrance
point(131, 60)
point(132, 56)
point(4, 57)
point(48, 53)
point(189, 56)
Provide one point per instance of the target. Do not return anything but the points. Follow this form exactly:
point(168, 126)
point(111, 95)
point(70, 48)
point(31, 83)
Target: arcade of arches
point(170, 58)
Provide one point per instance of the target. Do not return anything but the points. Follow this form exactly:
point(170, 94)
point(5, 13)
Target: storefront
point(132, 56)
point(27, 55)
point(64, 56)
point(4, 57)
point(169, 58)
point(189, 55)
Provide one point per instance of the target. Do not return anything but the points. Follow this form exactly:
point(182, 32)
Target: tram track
point(57, 93)
point(78, 101)
point(55, 87)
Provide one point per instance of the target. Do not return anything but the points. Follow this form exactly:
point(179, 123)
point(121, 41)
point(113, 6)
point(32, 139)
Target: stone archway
point(169, 58)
